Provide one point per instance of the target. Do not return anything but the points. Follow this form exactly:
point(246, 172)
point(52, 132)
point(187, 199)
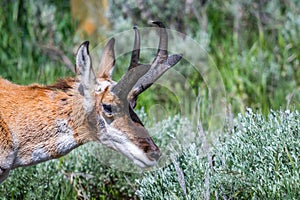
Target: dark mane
point(62, 84)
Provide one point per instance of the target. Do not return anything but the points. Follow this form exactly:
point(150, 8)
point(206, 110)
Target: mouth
point(142, 164)
point(135, 154)
point(120, 143)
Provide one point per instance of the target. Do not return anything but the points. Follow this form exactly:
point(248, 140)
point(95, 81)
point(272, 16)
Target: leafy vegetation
point(80, 174)
point(255, 48)
point(255, 45)
point(257, 159)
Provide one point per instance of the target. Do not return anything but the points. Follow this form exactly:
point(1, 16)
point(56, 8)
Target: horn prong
point(139, 77)
point(135, 56)
point(125, 85)
point(162, 51)
point(161, 63)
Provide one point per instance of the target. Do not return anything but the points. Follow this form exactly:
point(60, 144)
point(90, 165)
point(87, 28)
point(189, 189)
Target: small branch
point(180, 175)
point(58, 55)
point(206, 149)
point(202, 19)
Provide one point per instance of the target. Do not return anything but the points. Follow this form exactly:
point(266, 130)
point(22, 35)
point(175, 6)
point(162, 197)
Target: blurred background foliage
point(253, 44)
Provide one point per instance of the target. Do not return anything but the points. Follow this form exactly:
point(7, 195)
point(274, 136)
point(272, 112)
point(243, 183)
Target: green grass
point(259, 68)
point(26, 28)
point(257, 55)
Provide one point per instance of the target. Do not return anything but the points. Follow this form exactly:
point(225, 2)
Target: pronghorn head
point(112, 103)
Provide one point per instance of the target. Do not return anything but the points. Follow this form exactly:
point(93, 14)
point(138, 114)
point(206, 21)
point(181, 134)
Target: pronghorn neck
point(47, 121)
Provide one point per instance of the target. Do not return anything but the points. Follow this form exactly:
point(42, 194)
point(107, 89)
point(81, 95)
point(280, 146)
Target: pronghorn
point(39, 123)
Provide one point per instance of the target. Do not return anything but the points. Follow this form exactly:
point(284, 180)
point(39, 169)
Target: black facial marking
point(101, 122)
point(134, 116)
point(80, 89)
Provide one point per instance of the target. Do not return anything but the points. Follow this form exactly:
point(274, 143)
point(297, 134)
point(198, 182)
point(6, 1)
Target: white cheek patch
point(65, 141)
point(6, 159)
point(112, 136)
point(118, 141)
point(39, 155)
point(102, 85)
point(19, 162)
point(136, 154)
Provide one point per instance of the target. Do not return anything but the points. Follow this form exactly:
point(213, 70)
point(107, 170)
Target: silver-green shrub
point(257, 159)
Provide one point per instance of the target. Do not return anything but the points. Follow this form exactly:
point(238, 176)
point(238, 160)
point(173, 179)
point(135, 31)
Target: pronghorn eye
point(107, 108)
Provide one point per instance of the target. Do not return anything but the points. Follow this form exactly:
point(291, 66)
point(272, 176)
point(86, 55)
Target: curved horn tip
point(111, 41)
point(159, 24)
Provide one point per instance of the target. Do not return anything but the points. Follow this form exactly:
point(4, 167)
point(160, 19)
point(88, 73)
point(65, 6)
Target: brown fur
point(5, 137)
point(29, 113)
point(39, 123)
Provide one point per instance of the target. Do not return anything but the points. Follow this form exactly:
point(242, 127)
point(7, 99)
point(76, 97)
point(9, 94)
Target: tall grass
point(255, 46)
point(259, 67)
point(31, 35)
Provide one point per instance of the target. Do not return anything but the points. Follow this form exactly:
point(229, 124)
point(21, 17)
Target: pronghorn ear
point(107, 61)
point(84, 68)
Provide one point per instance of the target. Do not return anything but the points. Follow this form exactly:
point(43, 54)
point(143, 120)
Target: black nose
point(154, 155)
